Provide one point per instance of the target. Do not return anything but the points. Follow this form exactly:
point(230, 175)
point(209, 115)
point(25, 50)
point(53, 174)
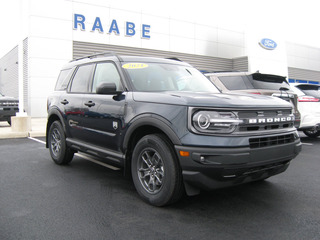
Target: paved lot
point(40, 200)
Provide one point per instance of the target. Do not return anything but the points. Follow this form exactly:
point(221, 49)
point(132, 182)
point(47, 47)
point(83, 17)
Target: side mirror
point(107, 88)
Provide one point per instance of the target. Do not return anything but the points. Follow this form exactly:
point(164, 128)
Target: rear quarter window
point(63, 79)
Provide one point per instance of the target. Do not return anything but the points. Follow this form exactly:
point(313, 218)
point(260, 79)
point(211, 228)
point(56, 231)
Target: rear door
point(73, 101)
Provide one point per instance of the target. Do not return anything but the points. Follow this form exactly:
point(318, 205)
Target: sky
point(297, 20)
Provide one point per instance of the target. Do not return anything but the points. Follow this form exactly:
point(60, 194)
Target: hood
point(219, 100)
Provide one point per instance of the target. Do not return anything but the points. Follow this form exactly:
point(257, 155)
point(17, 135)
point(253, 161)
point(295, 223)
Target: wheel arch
point(54, 115)
point(142, 126)
point(150, 121)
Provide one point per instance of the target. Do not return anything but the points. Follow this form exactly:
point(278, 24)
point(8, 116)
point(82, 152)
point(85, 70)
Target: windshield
point(156, 77)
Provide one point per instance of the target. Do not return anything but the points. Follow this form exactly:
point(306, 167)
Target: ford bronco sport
point(167, 124)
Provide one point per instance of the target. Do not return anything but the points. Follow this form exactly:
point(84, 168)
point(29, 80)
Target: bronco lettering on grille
point(270, 120)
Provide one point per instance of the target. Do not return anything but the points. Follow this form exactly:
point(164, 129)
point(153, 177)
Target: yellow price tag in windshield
point(134, 65)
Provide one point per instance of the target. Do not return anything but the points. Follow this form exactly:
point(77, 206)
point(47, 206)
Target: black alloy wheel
point(313, 133)
point(59, 151)
point(156, 172)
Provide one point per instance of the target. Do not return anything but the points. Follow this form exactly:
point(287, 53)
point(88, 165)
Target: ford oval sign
point(268, 44)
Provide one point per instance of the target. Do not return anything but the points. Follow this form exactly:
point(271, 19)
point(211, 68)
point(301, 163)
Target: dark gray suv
point(167, 125)
point(9, 106)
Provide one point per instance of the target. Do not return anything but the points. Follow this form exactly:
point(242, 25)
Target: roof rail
point(174, 58)
point(103, 54)
point(226, 71)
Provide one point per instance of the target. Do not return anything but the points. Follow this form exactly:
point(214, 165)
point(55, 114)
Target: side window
point(63, 79)
point(81, 79)
point(106, 73)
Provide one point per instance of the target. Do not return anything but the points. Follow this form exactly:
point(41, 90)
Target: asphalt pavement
point(41, 200)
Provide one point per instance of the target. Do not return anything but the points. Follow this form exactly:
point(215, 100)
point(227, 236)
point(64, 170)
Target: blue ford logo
point(268, 44)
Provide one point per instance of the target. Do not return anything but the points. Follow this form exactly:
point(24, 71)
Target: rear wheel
point(312, 133)
point(59, 151)
point(155, 171)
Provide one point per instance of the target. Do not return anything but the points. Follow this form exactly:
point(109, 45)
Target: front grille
point(10, 109)
point(266, 113)
point(9, 103)
point(264, 127)
point(265, 120)
point(271, 141)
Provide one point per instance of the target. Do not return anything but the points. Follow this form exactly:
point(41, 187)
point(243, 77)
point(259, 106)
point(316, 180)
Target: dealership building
point(55, 32)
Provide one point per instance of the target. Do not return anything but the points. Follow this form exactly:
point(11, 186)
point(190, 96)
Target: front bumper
point(7, 112)
point(211, 168)
point(309, 122)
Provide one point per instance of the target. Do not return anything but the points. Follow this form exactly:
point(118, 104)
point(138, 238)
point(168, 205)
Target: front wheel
point(155, 171)
point(59, 151)
point(312, 133)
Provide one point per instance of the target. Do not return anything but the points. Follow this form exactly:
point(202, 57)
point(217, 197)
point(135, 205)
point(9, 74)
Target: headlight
point(215, 121)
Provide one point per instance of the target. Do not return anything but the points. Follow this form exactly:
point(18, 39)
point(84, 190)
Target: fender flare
point(151, 120)
point(57, 113)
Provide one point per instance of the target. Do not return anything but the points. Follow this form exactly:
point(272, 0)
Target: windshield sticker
point(134, 65)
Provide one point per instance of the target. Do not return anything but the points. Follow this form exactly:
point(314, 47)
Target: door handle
point(90, 104)
point(64, 102)
point(73, 123)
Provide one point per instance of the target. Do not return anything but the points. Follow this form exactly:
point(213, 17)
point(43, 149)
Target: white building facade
point(55, 32)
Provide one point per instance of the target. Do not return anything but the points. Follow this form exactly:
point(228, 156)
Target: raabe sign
point(79, 21)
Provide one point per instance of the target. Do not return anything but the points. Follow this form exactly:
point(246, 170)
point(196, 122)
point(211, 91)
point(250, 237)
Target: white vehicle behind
point(309, 108)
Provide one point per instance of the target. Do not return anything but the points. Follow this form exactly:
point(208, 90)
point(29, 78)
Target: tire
point(312, 133)
point(59, 151)
point(155, 171)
